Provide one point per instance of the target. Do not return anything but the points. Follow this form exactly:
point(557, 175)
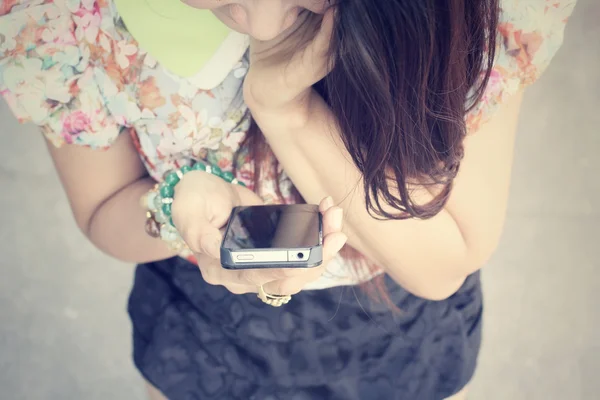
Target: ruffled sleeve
point(530, 32)
point(49, 69)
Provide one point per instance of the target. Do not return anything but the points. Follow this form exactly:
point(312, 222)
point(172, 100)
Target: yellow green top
point(182, 38)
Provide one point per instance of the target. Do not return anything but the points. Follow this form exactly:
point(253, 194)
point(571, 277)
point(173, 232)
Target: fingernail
point(328, 202)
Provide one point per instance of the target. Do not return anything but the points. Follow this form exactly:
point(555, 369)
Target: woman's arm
point(430, 258)
point(104, 189)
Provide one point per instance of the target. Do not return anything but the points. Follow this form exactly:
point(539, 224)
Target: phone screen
point(274, 226)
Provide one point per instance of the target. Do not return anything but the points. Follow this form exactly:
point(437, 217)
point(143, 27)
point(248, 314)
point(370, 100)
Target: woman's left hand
point(282, 71)
point(284, 281)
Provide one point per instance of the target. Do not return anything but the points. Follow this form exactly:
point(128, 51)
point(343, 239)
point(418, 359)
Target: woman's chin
point(227, 20)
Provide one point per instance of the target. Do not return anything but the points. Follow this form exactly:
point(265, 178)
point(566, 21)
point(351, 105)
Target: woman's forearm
point(429, 258)
point(117, 227)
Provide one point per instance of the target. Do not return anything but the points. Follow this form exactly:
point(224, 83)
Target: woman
point(401, 113)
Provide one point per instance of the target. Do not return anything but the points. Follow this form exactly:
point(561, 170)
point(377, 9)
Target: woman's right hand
point(202, 206)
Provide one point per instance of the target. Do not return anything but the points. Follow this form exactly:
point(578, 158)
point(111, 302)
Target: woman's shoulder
point(530, 32)
point(73, 68)
point(50, 70)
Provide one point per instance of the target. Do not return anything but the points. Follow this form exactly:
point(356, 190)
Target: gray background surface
point(64, 333)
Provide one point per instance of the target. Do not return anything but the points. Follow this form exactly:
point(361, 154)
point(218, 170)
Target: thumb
point(246, 197)
point(199, 226)
point(202, 237)
point(210, 243)
point(209, 235)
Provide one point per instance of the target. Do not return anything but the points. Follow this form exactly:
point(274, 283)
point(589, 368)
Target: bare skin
point(429, 258)
point(104, 188)
point(106, 203)
point(262, 19)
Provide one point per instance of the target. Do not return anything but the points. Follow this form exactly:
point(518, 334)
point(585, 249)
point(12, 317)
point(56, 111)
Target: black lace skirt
point(197, 341)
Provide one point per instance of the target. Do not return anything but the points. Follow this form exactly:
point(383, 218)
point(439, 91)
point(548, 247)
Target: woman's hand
point(285, 281)
point(282, 71)
point(202, 206)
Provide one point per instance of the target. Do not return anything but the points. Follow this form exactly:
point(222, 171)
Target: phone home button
point(245, 257)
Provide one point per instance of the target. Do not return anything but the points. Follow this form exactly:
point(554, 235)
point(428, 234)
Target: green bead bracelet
point(166, 190)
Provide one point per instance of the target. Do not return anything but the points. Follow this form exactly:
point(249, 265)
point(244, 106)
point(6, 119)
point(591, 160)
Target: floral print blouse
point(72, 67)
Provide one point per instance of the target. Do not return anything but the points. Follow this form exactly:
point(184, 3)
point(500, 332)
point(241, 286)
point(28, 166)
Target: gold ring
point(275, 300)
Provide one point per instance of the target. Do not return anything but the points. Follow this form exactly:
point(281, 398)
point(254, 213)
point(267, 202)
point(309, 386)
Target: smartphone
point(273, 236)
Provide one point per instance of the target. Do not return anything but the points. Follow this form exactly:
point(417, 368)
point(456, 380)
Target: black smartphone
point(273, 236)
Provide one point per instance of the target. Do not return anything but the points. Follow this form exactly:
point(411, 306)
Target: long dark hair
point(406, 73)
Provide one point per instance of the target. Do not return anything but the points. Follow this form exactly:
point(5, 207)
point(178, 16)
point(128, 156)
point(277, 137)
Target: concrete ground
point(64, 333)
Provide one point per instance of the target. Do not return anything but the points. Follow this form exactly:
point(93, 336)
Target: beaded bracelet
point(159, 200)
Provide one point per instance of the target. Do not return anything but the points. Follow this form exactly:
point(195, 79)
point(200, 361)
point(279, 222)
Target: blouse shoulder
point(530, 32)
point(55, 57)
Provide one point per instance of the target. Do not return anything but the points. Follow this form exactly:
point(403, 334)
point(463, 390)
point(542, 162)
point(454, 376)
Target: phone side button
point(245, 257)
